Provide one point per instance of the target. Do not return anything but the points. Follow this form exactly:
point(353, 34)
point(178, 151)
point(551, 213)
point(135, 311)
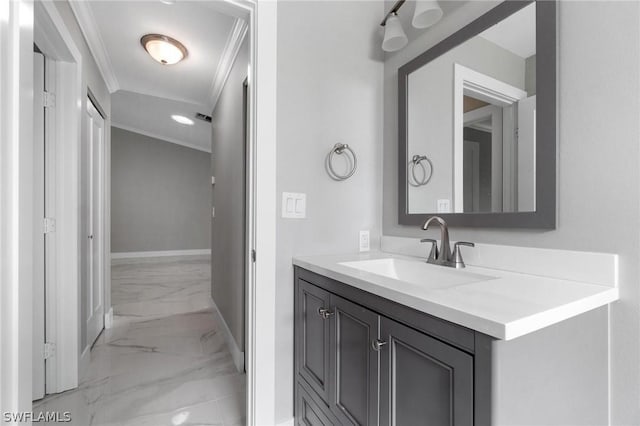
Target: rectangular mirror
point(477, 123)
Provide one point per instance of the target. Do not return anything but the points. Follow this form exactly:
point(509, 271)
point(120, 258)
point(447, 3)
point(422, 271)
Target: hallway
point(164, 362)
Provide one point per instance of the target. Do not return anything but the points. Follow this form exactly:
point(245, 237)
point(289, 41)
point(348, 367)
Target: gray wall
point(598, 152)
point(329, 90)
point(160, 195)
point(91, 80)
point(227, 231)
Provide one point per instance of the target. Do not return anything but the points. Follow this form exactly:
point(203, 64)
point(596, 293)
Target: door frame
point(481, 86)
point(63, 268)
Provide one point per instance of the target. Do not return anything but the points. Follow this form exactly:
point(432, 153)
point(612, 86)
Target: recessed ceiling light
point(164, 49)
point(182, 119)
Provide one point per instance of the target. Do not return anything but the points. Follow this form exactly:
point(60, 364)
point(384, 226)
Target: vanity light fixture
point(394, 36)
point(426, 14)
point(182, 119)
point(164, 49)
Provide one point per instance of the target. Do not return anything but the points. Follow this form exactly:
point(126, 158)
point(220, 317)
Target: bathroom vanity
point(387, 339)
point(349, 342)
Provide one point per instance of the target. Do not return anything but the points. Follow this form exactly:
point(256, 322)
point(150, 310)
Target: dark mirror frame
point(545, 215)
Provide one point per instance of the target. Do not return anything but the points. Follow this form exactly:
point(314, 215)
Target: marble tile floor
point(165, 361)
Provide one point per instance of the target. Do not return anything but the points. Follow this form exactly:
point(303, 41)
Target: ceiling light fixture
point(426, 14)
point(182, 119)
point(164, 49)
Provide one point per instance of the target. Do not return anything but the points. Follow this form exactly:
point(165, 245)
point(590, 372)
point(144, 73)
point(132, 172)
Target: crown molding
point(231, 49)
point(160, 137)
point(89, 27)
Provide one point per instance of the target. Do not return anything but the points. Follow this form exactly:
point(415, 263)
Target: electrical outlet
point(364, 241)
point(444, 206)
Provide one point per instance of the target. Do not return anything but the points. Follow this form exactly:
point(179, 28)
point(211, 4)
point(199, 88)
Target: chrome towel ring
point(340, 149)
point(419, 160)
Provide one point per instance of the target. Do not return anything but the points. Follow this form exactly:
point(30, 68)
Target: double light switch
point(294, 205)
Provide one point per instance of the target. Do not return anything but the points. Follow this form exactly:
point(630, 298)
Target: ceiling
point(517, 33)
point(146, 93)
point(150, 115)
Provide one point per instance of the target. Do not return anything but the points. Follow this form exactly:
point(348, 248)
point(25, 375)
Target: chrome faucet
point(443, 255)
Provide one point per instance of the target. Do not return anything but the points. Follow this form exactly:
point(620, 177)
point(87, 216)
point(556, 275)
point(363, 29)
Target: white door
point(38, 377)
point(95, 285)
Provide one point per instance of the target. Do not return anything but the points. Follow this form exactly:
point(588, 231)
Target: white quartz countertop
point(503, 304)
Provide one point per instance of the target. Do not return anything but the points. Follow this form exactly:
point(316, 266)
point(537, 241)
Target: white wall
point(599, 159)
point(329, 90)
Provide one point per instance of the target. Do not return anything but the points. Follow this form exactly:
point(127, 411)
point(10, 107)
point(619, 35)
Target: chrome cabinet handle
point(324, 313)
point(377, 344)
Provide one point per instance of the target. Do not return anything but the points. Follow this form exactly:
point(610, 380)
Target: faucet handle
point(433, 254)
point(457, 255)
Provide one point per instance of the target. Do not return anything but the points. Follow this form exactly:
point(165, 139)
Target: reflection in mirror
point(471, 112)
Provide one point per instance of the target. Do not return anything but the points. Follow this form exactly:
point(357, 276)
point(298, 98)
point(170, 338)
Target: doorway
point(16, 124)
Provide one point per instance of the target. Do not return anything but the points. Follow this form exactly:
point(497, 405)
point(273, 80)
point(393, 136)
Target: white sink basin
point(417, 272)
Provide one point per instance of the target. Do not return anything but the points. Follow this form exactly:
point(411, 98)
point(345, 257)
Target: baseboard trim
point(108, 318)
point(134, 254)
point(289, 422)
point(236, 353)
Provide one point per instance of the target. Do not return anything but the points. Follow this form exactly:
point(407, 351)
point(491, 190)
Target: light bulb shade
point(394, 36)
point(427, 13)
point(164, 49)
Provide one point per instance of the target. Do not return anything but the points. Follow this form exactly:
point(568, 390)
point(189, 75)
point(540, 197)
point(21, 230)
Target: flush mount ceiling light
point(426, 14)
point(164, 49)
point(182, 119)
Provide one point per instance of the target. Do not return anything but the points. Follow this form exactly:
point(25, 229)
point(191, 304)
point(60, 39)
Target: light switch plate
point(365, 241)
point(444, 206)
point(294, 205)
point(213, 180)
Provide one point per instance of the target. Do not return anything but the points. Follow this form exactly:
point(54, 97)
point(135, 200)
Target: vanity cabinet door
point(354, 390)
point(312, 329)
point(423, 381)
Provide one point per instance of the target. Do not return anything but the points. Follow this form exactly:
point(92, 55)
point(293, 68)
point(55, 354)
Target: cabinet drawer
point(312, 332)
point(308, 411)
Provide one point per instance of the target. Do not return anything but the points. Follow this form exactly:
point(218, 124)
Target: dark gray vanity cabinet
point(313, 330)
point(354, 390)
point(422, 380)
point(363, 360)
